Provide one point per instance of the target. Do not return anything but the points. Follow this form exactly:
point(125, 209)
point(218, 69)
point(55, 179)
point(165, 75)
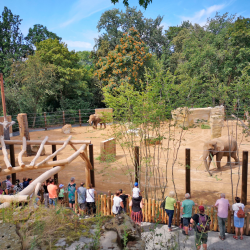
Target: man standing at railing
point(222, 206)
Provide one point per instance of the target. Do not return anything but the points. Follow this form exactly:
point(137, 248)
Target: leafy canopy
point(143, 3)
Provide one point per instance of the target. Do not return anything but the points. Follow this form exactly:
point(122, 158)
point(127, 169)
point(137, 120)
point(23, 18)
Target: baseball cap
point(120, 190)
point(201, 208)
point(61, 185)
point(29, 179)
point(136, 184)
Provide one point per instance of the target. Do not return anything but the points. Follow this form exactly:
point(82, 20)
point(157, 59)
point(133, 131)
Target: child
point(136, 191)
point(61, 193)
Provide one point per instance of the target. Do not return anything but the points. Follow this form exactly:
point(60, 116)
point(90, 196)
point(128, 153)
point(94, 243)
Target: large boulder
point(67, 129)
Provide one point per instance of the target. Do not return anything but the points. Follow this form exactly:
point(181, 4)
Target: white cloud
point(85, 8)
point(165, 25)
point(201, 16)
point(79, 44)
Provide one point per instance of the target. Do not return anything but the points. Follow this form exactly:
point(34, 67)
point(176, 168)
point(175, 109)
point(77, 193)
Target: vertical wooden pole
point(55, 159)
point(187, 168)
point(136, 156)
point(102, 205)
point(63, 118)
point(149, 210)
point(91, 159)
point(175, 215)
point(162, 215)
point(13, 163)
point(229, 222)
point(146, 211)
point(45, 121)
point(143, 209)
point(178, 214)
point(105, 204)
point(244, 178)
point(99, 204)
point(153, 210)
point(80, 118)
point(247, 224)
point(112, 202)
point(108, 205)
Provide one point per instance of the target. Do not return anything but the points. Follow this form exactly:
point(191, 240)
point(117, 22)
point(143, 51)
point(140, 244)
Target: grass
point(205, 126)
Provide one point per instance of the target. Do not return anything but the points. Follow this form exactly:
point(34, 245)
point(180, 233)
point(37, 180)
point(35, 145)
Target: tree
point(11, 40)
point(115, 23)
point(39, 33)
point(143, 3)
point(125, 63)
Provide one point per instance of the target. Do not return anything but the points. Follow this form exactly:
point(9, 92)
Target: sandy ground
point(112, 176)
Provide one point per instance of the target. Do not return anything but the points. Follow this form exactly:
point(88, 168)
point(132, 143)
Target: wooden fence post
point(187, 168)
point(13, 163)
point(91, 159)
point(229, 222)
point(99, 204)
point(45, 121)
point(153, 210)
point(55, 159)
point(247, 223)
point(212, 218)
point(80, 118)
point(137, 162)
point(108, 205)
point(102, 205)
point(146, 211)
point(63, 118)
point(105, 205)
point(178, 213)
point(244, 178)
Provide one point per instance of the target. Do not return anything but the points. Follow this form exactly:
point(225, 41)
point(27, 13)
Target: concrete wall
point(108, 149)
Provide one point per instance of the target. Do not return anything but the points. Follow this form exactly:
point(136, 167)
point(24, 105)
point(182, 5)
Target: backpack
point(163, 203)
point(203, 225)
point(240, 213)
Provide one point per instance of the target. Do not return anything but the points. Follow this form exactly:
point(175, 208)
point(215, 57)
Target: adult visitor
point(136, 213)
point(186, 211)
point(17, 188)
point(239, 217)
point(46, 193)
point(8, 184)
point(71, 192)
point(25, 182)
point(169, 208)
point(90, 199)
point(222, 206)
point(81, 193)
point(52, 189)
point(124, 198)
point(201, 223)
point(117, 204)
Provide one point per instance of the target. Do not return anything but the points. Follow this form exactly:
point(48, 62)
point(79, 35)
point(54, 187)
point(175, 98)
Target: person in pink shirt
point(222, 206)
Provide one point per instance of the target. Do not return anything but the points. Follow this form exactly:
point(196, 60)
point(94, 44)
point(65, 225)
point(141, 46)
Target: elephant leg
point(104, 125)
point(228, 160)
point(101, 125)
point(234, 155)
point(218, 160)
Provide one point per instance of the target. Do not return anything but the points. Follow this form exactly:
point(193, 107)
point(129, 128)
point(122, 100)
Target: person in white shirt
point(118, 203)
point(238, 222)
point(90, 199)
point(136, 191)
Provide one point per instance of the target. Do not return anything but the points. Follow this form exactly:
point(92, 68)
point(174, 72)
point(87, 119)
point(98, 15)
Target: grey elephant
point(220, 147)
point(94, 120)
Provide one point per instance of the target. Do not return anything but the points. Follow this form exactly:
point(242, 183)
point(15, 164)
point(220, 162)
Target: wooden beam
point(5, 153)
point(35, 142)
point(14, 198)
point(39, 151)
point(20, 155)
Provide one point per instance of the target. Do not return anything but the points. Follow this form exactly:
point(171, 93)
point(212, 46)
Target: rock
point(109, 241)
point(35, 148)
point(61, 243)
point(77, 245)
point(67, 129)
point(9, 237)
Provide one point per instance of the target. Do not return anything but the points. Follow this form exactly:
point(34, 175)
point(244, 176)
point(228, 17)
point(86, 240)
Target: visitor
point(136, 191)
point(90, 199)
point(124, 200)
point(239, 217)
point(81, 191)
point(46, 193)
point(71, 192)
point(11, 191)
point(169, 208)
point(17, 188)
point(117, 204)
point(52, 189)
point(136, 213)
point(186, 211)
point(29, 181)
point(61, 193)
point(201, 222)
point(8, 184)
point(25, 182)
point(222, 206)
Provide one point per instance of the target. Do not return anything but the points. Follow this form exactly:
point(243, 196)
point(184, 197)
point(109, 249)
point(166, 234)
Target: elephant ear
point(219, 146)
point(209, 145)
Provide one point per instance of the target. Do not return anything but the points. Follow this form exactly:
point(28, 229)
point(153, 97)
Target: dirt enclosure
point(111, 176)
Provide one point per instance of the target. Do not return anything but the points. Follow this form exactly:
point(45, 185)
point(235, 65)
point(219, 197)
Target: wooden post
point(80, 118)
point(212, 219)
point(99, 204)
point(45, 121)
point(178, 214)
point(91, 159)
point(229, 222)
point(143, 209)
point(247, 224)
point(13, 163)
point(55, 159)
point(153, 210)
point(137, 162)
point(215, 224)
point(162, 215)
point(187, 168)
point(66, 197)
point(76, 202)
point(149, 210)
point(108, 205)
point(174, 217)
point(244, 178)
point(63, 118)
point(105, 204)
point(232, 227)
point(112, 202)
point(102, 205)
point(24, 131)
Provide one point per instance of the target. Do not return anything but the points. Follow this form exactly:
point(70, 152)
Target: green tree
point(39, 33)
point(11, 40)
point(143, 3)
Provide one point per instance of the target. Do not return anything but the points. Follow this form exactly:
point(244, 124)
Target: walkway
point(161, 239)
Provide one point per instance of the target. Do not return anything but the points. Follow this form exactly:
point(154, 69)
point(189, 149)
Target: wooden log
point(175, 217)
point(215, 223)
point(136, 162)
point(84, 156)
point(91, 159)
point(105, 205)
point(229, 222)
point(149, 210)
point(99, 204)
point(153, 210)
point(178, 214)
point(108, 206)
point(102, 205)
point(5, 153)
point(39, 152)
point(55, 153)
point(14, 198)
point(247, 224)
point(20, 155)
point(162, 215)
point(232, 228)
point(143, 209)
point(156, 212)
point(66, 199)
point(187, 171)
point(244, 177)
point(146, 211)
point(37, 188)
point(35, 142)
point(13, 163)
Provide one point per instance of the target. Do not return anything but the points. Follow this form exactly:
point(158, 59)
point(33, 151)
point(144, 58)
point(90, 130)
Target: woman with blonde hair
point(169, 208)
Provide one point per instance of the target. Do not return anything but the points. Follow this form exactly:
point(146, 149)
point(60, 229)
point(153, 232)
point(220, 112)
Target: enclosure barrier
point(152, 212)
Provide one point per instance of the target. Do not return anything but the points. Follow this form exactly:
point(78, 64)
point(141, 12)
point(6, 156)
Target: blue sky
point(75, 20)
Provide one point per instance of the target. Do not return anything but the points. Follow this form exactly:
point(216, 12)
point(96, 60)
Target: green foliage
point(143, 3)
point(205, 126)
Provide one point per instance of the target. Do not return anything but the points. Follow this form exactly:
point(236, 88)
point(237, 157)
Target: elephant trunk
point(205, 155)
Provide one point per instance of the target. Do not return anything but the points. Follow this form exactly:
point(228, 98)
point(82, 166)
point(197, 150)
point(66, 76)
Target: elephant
point(94, 120)
point(220, 147)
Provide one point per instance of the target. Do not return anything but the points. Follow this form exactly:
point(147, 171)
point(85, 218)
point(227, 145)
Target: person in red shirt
point(52, 189)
